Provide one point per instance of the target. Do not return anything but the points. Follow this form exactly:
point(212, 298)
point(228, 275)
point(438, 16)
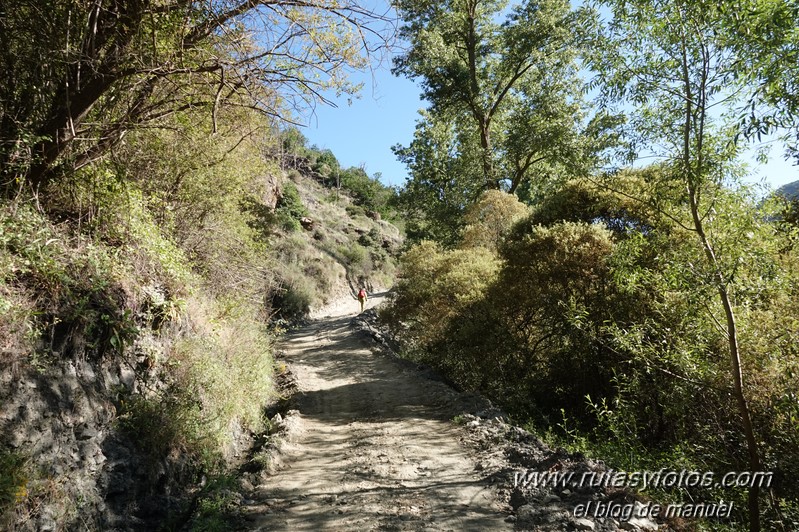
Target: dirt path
point(374, 447)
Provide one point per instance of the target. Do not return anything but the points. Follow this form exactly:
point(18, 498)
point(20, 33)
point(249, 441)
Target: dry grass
point(344, 248)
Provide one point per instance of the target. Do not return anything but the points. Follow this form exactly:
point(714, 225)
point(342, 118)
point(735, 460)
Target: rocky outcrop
point(64, 419)
point(272, 191)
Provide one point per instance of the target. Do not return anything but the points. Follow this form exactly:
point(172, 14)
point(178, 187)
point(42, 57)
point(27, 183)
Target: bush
point(285, 217)
point(294, 142)
point(82, 307)
point(221, 378)
point(489, 220)
point(289, 209)
point(371, 239)
point(434, 287)
point(293, 297)
point(368, 193)
point(529, 339)
point(600, 321)
point(290, 202)
point(353, 255)
point(327, 166)
point(355, 210)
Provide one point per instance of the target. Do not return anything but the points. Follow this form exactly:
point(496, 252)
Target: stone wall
point(86, 472)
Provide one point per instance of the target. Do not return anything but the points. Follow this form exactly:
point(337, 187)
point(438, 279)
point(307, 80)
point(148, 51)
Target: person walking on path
point(362, 297)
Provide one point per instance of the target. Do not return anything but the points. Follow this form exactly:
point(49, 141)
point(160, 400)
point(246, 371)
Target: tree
point(490, 220)
point(672, 62)
point(506, 106)
point(79, 74)
point(540, 143)
point(473, 66)
point(445, 178)
point(767, 35)
point(366, 191)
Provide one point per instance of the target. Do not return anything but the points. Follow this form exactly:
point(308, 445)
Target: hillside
point(343, 244)
point(138, 338)
point(789, 190)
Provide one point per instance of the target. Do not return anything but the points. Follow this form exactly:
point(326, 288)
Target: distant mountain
point(790, 191)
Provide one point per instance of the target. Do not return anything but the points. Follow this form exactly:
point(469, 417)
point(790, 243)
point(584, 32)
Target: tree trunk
point(58, 133)
point(485, 143)
point(693, 170)
point(735, 364)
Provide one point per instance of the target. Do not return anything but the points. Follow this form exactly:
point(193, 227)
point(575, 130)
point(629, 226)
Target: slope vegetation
point(140, 300)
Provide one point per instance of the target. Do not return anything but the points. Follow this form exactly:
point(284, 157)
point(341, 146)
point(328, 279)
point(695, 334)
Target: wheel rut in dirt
point(373, 446)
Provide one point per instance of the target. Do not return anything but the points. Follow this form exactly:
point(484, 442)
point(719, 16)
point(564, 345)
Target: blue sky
point(362, 133)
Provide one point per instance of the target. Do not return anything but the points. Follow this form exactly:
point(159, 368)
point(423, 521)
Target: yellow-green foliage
point(355, 256)
point(562, 261)
point(160, 262)
point(56, 279)
point(489, 320)
point(436, 285)
point(490, 219)
point(220, 378)
point(22, 243)
point(117, 219)
point(221, 369)
point(632, 200)
point(602, 317)
point(231, 365)
point(195, 185)
point(553, 278)
point(305, 276)
point(190, 215)
point(156, 252)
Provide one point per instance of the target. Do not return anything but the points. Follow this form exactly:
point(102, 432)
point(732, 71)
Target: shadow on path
point(373, 448)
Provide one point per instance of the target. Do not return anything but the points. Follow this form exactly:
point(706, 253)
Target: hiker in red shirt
point(362, 297)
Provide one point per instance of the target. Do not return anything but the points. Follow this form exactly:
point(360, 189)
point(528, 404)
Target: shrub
point(353, 255)
point(355, 210)
point(294, 175)
point(293, 297)
point(490, 219)
point(82, 307)
point(155, 234)
point(554, 287)
point(290, 202)
point(286, 215)
point(434, 287)
point(221, 378)
point(369, 192)
point(289, 209)
point(371, 239)
point(327, 165)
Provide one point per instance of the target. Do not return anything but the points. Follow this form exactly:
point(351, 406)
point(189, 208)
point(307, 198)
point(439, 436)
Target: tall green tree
point(445, 178)
point(766, 34)
point(471, 64)
point(673, 63)
point(79, 74)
